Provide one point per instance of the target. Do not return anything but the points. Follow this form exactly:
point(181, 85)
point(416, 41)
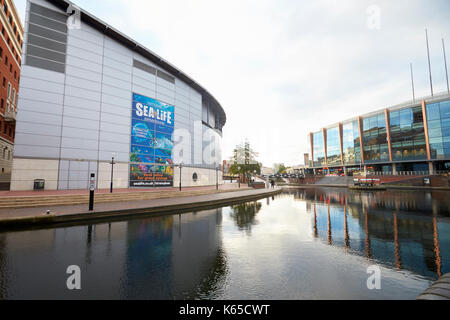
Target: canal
point(302, 244)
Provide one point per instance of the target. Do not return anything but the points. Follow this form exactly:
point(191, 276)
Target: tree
point(244, 160)
point(280, 168)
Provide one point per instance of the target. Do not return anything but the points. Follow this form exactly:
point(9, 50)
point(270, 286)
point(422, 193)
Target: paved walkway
point(73, 213)
point(226, 186)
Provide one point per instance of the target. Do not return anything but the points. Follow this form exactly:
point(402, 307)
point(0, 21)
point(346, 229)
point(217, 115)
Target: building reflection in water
point(405, 229)
point(168, 257)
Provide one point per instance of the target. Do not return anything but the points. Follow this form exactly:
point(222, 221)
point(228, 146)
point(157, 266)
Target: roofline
point(113, 33)
point(442, 96)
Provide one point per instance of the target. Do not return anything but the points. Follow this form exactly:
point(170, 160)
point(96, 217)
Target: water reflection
point(170, 257)
point(244, 215)
point(399, 229)
point(303, 244)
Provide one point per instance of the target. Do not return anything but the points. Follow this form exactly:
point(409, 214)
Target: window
point(1, 53)
point(9, 90)
point(14, 97)
point(6, 60)
point(10, 68)
point(4, 82)
point(2, 104)
point(5, 8)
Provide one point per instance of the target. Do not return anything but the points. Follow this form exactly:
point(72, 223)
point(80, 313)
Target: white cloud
point(284, 68)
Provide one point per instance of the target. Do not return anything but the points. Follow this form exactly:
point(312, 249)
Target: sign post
point(91, 191)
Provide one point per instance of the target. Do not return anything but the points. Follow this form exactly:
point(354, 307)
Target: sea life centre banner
point(152, 128)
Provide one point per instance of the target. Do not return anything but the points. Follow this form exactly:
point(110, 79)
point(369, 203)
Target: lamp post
point(239, 178)
point(217, 177)
point(112, 172)
point(181, 165)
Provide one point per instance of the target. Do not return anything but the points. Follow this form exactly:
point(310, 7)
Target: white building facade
point(83, 89)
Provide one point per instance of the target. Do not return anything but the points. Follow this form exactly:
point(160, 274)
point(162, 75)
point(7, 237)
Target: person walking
point(272, 183)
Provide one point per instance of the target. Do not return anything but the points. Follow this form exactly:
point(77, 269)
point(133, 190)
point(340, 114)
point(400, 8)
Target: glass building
point(414, 136)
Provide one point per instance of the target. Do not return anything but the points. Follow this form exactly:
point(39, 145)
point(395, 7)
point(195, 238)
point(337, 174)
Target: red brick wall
point(10, 61)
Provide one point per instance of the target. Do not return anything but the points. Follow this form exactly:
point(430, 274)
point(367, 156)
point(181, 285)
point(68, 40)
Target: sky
point(283, 68)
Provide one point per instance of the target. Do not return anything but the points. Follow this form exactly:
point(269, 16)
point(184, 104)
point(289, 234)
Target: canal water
point(302, 244)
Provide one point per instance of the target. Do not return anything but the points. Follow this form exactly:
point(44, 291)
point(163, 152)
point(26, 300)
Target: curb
point(50, 220)
point(440, 290)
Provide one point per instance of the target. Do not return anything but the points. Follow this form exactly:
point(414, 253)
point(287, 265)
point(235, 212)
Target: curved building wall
point(85, 97)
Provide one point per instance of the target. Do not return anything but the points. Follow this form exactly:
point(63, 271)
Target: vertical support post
point(425, 127)
point(91, 191)
point(341, 141)
point(412, 83)
point(360, 124)
point(217, 177)
point(324, 134)
point(388, 132)
point(445, 63)
point(181, 165)
point(112, 175)
point(429, 63)
point(311, 138)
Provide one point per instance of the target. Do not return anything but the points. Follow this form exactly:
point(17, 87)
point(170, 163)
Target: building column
point(365, 170)
point(425, 126)
point(388, 133)
point(345, 170)
point(431, 166)
point(324, 134)
point(394, 169)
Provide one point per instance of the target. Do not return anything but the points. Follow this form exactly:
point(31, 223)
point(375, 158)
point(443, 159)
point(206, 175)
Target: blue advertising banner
point(151, 148)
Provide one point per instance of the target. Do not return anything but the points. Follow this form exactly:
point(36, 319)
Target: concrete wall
point(206, 177)
point(34, 169)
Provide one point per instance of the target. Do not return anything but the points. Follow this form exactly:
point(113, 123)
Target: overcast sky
point(284, 68)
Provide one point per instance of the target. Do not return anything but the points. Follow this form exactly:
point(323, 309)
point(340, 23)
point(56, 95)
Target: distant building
point(413, 136)
point(306, 159)
point(10, 62)
point(267, 171)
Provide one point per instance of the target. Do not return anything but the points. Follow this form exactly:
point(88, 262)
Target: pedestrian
point(272, 183)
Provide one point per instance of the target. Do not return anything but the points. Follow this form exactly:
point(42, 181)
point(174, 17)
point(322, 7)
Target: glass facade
point(407, 137)
point(375, 142)
point(351, 143)
point(438, 119)
point(319, 149)
point(407, 134)
point(333, 147)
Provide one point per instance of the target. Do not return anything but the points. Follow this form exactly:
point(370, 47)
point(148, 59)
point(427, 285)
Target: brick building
point(10, 62)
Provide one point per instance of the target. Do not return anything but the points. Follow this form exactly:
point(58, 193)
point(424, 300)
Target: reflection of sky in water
point(267, 249)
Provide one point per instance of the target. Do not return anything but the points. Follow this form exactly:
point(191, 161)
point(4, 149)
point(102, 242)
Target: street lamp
point(217, 176)
point(112, 172)
point(239, 178)
point(181, 165)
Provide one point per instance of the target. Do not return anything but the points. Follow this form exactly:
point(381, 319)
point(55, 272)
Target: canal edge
point(123, 214)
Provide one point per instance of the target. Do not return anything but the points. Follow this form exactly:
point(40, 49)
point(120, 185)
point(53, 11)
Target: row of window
point(407, 135)
point(12, 70)
point(12, 22)
point(11, 96)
